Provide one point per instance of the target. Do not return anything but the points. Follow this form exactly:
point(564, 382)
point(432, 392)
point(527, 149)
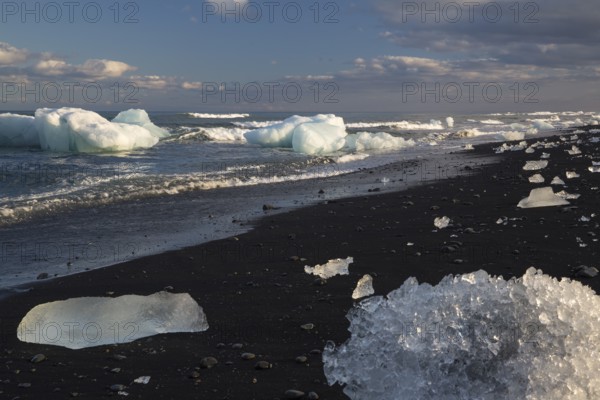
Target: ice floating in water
point(335, 267)
point(557, 181)
point(535, 165)
point(95, 321)
point(571, 174)
point(281, 134)
point(18, 131)
point(542, 197)
point(317, 138)
point(441, 222)
point(377, 141)
point(364, 287)
point(537, 178)
point(77, 130)
point(473, 336)
point(141, 118)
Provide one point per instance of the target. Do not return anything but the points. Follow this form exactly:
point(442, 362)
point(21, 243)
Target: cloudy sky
point(368, 55)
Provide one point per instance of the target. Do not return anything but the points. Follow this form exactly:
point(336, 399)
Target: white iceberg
point(141, 118)
point(542, 197)
point(364, 287)
point(77, 130)
point(535, 165)
point(571, 174)
point(537, 178)
point(317, 138)
point(574, 151)
point(18, 131)
point(281, 134)
point(441, 222)
point(594, 169)
point(95, 321)
point(376, 141)
point(472, 336)
point(557, 181)
point(332, 268)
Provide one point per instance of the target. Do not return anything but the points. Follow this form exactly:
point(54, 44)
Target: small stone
point(115, 370)
point(28, 385)
point(263, 365)
point(208, 362)
point(42, 276)
point(237, 346)
point(301, 359)
point(312, 396)
point(38, 358)
point(119, 357)
point(583, 271)
point(308, 327)
point(458, 261)
point(117, 387)
point(195, 375)
point(293, 394)
point(248, 356)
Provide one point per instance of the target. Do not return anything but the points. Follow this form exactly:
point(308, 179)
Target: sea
point(64, 213)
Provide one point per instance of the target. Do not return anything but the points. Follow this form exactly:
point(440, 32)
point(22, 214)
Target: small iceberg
point(332, 268)
point(542, 197)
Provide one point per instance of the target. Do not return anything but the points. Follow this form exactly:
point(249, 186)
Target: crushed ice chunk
point(557, 181)
point(594, 169)
point(535, 165)
point(142, 380)
point(441, 222)
point(568, 196)
point(472, 337)
point(571, 174)
point(545, 156)
point(364, 287)
point(537, 178)
point(83, 322)
point(469, 146)
point(574, 151)
point(332, 268)
point(530, 150)
point(542, 197)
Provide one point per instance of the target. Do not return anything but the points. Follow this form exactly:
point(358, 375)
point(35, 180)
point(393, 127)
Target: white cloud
point(191, 85)
point(10, 55)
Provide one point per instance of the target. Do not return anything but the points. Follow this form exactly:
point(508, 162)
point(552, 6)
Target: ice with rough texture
point(77, 130)
point(542, 197)
point(571, 174)
point(141, 118)
point(535, 165)
point(537, 178)
point(338, 266)
point(377, 141)
point(95, 321)
point(473, 336)
point(557, 181)
point(18, 131)
point(441, 222)
point(281, 134)
point(316, 138)
point(594, 169)
point(364, 287)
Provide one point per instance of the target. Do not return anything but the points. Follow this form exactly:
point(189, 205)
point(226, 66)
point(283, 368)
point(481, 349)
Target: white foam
point(217, 116)
point(95, 321)
point(450, 122)
point(406, 125)
point(363, 141)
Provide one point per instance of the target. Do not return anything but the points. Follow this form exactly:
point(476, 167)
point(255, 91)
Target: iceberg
point(96, 321)
point(140, 118)
point(535, 165)
point(317, 138)
point(18, 131)
point(77, 130)
point(321, 134)
point(537, 178)
point(542, 197)
point(472, 336)
point(332, 268)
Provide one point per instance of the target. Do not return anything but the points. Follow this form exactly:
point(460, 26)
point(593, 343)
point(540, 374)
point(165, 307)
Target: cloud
point(191, 85)
point(10, 55)
point(93, 69)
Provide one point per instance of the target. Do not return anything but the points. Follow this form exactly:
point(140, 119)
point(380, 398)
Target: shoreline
point(254, 291)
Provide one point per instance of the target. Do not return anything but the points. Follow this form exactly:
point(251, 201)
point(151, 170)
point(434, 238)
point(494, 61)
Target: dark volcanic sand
point(253, 293)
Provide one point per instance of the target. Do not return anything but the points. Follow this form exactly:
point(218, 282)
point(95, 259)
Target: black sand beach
point(255, 292)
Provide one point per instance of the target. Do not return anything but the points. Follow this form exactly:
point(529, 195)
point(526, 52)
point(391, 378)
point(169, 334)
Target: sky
point(325, 56)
